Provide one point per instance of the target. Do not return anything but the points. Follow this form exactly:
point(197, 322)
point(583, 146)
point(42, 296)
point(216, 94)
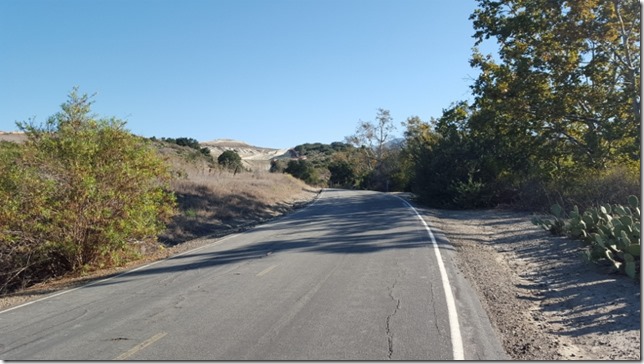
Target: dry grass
point(612, 185)
point(216, 202)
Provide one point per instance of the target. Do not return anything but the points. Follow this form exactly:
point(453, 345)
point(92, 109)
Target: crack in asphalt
point(438, 329)
point(390, 335)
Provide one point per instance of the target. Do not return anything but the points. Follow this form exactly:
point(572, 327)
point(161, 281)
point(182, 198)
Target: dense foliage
point(77, 194)
point(369, 159)
point(555, 116)
point(311, 150)
point(304, 170)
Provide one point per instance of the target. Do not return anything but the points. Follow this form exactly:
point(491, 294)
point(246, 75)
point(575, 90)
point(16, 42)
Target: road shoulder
point(546, 303)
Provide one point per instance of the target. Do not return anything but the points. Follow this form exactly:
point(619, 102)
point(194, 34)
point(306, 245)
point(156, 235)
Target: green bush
point(342, 174)
point(278, 165)
point(231, 160)
point(304, 170)
point(76, 195)
point(470, 194)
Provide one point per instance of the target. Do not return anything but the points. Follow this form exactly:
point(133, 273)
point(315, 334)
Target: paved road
point(353, 276)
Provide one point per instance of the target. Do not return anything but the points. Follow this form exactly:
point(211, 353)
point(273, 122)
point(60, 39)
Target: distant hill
point(253, 157)
point(16, 137)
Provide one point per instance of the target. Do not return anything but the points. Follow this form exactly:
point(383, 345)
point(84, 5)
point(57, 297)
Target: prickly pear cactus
point(611, 232)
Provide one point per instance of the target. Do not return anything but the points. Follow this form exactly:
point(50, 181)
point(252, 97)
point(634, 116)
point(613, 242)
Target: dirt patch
point(545, 301)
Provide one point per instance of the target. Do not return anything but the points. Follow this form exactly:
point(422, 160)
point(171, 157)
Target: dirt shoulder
point(545, 301)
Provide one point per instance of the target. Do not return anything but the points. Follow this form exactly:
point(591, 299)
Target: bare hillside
point(255, 158)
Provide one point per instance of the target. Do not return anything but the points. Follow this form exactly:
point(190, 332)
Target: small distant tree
point(230, 160)
point(278, 165)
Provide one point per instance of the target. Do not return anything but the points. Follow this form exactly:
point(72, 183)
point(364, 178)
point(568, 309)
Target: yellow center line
point(141, 346)
point(267, 270)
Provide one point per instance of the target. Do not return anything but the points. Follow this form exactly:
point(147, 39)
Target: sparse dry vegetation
point(221, 200)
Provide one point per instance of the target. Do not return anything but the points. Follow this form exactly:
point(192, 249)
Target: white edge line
point(454, 328)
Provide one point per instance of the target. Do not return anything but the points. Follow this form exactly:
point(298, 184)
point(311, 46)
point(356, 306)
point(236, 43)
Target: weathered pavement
point(353, 276)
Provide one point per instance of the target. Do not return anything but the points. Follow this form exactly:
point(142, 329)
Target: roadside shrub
point(76, 195)
point(613, 185)
point(470, 194)
point(304, 170)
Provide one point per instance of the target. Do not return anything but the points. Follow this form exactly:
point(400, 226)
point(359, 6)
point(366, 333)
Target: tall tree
point(373, 138)
point(566, 79)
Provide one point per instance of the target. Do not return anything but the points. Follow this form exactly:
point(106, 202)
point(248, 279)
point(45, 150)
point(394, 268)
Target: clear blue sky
point(273, 73)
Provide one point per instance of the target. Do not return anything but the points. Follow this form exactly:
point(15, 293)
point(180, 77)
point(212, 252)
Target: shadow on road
point(343, 223)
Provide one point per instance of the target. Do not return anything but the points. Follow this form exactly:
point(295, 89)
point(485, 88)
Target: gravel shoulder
point(544, 300)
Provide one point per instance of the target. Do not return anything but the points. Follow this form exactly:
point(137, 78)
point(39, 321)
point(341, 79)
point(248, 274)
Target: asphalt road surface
point(354, 276)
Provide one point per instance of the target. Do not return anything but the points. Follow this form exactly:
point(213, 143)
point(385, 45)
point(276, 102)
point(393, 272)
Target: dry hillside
point(16, 137)
point(254, 158)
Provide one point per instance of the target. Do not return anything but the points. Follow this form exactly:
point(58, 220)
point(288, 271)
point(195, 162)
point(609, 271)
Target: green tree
point(230, 160)
point(76, 194)
point(419, 136)
point(446, 162)
point(342, 173)
point(373, 138)
point(278, 165)
point(304, 170)
point(188, 142)
point(566, 83)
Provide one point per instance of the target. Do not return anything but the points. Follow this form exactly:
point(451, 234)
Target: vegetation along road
point(356, 275)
